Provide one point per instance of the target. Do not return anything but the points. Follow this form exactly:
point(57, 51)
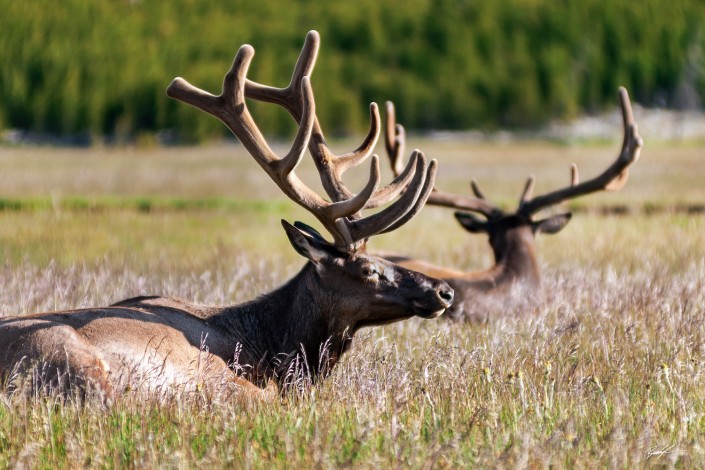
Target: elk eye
point(368, 271)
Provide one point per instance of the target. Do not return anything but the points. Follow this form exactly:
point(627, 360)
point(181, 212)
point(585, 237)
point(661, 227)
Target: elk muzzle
point(429, 297)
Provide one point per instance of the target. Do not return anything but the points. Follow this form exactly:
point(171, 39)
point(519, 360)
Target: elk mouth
point(417, 308)
point(426, 312)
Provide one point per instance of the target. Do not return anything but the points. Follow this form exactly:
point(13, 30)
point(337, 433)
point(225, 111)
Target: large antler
point(230, 107)
point(395, 137)
point(612, 179)
point(330, 166)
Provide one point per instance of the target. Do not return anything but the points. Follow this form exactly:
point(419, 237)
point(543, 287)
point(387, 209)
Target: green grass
point(606, 370)
point(141, 204)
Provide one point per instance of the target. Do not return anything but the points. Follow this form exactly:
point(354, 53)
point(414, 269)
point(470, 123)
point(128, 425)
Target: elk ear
point(308, 245)
point(553, 224)
point(471, 223)
point(310, 231)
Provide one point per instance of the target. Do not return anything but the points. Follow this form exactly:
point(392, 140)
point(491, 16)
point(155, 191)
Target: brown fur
point(159, 345)
point(516, 266)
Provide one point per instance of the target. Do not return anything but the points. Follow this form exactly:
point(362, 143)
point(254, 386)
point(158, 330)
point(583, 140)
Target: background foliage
point(80, 67)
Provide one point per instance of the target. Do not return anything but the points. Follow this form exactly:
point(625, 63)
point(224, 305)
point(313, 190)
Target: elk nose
point(445, 293)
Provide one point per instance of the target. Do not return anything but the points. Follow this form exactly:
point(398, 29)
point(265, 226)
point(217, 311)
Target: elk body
point(516, 271)
point(158, 344)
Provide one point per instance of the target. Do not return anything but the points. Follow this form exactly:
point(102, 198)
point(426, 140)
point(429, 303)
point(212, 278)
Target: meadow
point(606, 370)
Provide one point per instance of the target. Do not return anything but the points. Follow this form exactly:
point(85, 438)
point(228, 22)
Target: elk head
point(369, 283)
point(511, 234)
point(363, 289)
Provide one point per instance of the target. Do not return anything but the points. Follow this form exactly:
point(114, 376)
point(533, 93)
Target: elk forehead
point(510, 220)
point(389, 272)
point(394, 274)
point(386, 271)
point(379, 266)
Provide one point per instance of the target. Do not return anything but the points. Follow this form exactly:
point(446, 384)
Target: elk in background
point(511, 234)
point(161, 344)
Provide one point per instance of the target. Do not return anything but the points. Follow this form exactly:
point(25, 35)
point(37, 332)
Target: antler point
point(175, 84)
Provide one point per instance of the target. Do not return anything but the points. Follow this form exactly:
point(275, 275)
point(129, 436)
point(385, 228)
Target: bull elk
point(511, 234)
point(158, 343)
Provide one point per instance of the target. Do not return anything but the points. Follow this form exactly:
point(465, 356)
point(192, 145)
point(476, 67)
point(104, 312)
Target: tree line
point(100, 68)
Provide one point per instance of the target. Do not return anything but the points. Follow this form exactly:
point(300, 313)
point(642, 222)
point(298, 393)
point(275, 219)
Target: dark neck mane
point(286, 331)
point(515, 263)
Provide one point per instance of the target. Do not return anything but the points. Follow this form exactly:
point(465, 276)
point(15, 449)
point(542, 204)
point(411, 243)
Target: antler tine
point(612, 179)
point(394, 142)
point(421, 201)
point(476, 190)
point(230, 107)
point(285, 96)
point(340, 217)
point(307, 59)
point(528, 190)
point(357, 156)
point(356, 231)
point(631, 145)
point(462, 202)
point(330, 166)
point(574, 176)
point(383, 220)
point(395, 138)
point(356, 203)
point(393, 189)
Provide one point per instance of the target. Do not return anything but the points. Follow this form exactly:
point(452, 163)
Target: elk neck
point(515, 261)
point(515, 257)
point(299, 318)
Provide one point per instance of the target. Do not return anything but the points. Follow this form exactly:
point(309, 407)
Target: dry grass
point(606, 371)
point(666, 173)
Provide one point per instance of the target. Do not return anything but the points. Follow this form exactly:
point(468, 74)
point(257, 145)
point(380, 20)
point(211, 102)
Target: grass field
point(608, 370)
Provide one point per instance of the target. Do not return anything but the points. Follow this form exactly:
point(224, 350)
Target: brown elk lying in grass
point(159, 344)
point(511, 234)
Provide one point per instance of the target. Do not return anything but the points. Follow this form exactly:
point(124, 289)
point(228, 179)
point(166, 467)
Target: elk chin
point(397, 311)
point(427, 313)
point(384, 312)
